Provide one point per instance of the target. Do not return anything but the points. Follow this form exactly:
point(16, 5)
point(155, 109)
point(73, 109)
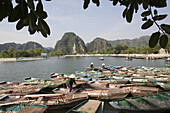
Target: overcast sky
point(64, 16)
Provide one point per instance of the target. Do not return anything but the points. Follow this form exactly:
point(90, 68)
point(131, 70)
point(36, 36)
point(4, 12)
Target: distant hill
point(143, 40)
point(25, 46)
point(73, 44)
point(98, 44)
point(70, 44)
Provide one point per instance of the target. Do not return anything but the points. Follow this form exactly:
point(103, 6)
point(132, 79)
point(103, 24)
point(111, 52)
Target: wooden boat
point(88, 106)
point(135, 90)
point(156, 103)
point(140, 90)
point(50, 83)
point(110, 94)
point(94, 69)
point(59, 76)
point(104, 85)
point(23, 108)
point(21, 88)
point(165, 86)
point(57, 101)
point(128, 58)
point(13, 104)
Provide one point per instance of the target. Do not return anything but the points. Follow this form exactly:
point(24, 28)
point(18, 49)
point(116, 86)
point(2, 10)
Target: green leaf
point(129, 14)
point(97, 2)
point(17, 1)
point(154, 39)
point(86, 3)
point(147, 24)
point(24, 9)
point(2, 14)
point(146, 13)
point(159, 17)
point(136, 7)
point(9, 6)
point(31, 4)
point(39, 7)
point(155, 12)
point(159, 3)
point(26, 20)
point(124, 2)
point(145, 4)
point(15, 14)
point(166, 28)
point(115, 2)
point(32, 23)
point(42, 15)
point(44, 26)
point(163, 41)
point(124, 12)
point(20, 25)
point(144, 19)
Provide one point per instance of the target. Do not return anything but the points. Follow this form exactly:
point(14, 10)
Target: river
point(16, 71)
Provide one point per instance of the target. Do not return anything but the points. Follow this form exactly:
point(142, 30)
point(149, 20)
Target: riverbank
point(21, 59)
point(140, 56)
point(137, 56)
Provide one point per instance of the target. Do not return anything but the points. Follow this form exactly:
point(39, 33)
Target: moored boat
point(110, 94)
point(88, 106)
point(57, 101)
point(156, 103)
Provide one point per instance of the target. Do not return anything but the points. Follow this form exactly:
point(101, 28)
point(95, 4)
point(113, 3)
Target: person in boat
point(91, 65)
point(70, 81)
point(103, 65)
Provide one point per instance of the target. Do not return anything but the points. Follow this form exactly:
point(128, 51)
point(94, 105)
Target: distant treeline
point(21, 53)
point(118, 49)
point(11, 53)
point(124, 49)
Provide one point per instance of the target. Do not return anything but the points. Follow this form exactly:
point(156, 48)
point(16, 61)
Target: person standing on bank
point(70, 81)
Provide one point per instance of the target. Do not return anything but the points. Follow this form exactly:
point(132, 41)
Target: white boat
point(101, 58)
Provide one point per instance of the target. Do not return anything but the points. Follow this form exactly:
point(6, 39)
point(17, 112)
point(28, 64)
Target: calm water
point(16, 71)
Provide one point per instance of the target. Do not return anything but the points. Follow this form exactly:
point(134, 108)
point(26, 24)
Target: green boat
point(159, 103)
point(165, 86)
point(88, 106)
point(19, 108)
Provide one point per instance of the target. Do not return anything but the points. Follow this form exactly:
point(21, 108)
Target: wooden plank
point(154, 102)
point(2, 97)
point(90, 107)
point(38, 100)
point(43, 95)
point(29, 109)
point(136, 104)
point(16, 102)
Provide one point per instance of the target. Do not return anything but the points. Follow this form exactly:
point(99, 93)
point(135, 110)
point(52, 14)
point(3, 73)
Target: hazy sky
point(64, 16)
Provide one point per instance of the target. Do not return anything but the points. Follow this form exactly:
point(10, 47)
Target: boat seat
point(3, 97)
point(153, 102)
point(29, 109)
point(136, 104)
point(90, 107)
point(39, 100)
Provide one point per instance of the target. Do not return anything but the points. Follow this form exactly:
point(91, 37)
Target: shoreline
point(20, 59)
point(137, 56)
point(140, 56)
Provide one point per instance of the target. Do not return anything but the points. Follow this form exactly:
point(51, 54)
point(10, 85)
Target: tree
point(55, 53)
point(31, 14)
point(10, 52)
